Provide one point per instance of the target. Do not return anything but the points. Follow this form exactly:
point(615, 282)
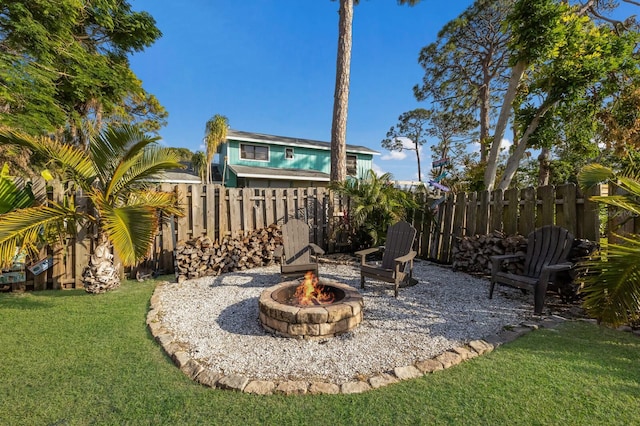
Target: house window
point(254, 152)
point(288, 153)
point(352, 165)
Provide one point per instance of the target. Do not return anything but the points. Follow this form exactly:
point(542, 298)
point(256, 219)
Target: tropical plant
point(215, 134)
point(374, 204)
point(114, 176)
point(612, 282)
point(13, 195)
point(199, 164)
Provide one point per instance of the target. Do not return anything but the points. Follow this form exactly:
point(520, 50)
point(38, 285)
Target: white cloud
point(407, 144)
point(394, 155)
point(505, 143)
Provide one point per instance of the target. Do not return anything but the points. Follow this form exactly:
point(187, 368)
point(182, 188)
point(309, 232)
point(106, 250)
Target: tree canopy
point(64, 67)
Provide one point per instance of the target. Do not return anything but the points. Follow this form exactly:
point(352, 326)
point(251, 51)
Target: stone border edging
point(177, 351)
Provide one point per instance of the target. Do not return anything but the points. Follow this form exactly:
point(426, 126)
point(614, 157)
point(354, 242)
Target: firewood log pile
point(473, 253)
point(202, 256)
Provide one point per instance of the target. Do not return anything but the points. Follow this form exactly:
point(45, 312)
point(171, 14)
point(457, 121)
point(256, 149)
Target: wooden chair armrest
point(406, 257)
point(502, 257)
point(367, 251)
point(559, 267)
point(316, 249)
point(363, 254)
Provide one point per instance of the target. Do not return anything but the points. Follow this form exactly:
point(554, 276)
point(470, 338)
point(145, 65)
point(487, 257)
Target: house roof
point(177, 177)
point(288, 141)
point(278, 173)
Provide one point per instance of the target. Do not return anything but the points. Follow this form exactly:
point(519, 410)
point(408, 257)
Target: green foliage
point(215, 134)
point(612, 283)
point(465, 66)
point(374, 205)
point(12, 195)
point(199, 164)
point(114, 175)
point(63, 62)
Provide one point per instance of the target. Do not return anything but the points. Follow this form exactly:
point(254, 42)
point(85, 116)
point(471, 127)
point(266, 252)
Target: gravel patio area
point(216, 318)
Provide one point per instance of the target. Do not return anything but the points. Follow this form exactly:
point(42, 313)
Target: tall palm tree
point(612, 282)
point(341, 94)
point(215, 134)
point(114, 175)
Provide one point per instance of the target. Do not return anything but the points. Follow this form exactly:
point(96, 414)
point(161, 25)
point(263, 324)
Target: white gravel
point(217, 317)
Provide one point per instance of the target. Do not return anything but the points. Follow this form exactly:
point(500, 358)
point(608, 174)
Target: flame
point(309, 292)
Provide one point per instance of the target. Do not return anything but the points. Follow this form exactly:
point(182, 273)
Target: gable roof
point(238, 135)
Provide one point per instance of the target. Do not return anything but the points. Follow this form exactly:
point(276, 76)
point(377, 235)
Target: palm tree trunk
point(101, 275)
point(341, 95)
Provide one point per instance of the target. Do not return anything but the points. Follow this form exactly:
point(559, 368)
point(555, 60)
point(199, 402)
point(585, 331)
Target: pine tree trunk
point(341, 95)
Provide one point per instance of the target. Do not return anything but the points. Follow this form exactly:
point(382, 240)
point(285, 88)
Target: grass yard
point(70, 358)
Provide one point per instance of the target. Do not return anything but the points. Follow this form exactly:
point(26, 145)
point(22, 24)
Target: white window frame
point(258, 146)
point(286, 151)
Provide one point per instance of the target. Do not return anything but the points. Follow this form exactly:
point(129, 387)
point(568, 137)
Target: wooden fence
point(514, 211)
point(217, 212)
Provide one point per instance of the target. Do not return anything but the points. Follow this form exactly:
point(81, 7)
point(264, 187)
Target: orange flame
point(309, 292)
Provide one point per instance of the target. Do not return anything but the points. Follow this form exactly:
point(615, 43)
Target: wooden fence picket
point(216, 211)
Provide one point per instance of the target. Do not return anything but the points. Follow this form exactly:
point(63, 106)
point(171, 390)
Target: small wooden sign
point(441, 162)
point(41, 266)
point(439, 186)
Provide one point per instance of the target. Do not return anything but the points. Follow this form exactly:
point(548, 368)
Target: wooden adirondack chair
point(547, 251)
point(295, 251)
point(397, 257)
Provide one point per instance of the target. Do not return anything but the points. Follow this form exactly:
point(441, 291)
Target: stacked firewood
point(473, 253)
point(202, 256)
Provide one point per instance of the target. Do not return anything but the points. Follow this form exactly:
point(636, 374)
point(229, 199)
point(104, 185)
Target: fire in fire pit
point(312, 293)
point(310, 309)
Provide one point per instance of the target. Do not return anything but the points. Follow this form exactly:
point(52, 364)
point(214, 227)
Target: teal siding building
point(259, 160)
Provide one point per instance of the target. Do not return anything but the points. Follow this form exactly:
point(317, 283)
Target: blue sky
point(269, 66)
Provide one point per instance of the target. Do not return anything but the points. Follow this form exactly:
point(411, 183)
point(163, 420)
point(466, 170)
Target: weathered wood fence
point(514, 211)
point(217, 212)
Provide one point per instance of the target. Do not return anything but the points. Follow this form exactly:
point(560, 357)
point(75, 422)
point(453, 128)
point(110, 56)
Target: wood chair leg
point(361, 281)
point(493, 284)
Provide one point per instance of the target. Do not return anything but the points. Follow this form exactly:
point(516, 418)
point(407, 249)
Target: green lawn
point(69, 358)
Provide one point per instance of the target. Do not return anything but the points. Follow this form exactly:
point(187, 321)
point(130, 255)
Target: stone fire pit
point(281, 316)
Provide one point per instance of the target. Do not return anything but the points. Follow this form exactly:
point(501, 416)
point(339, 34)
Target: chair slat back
point(295, 239)
point(547, 245)
point(399, 242)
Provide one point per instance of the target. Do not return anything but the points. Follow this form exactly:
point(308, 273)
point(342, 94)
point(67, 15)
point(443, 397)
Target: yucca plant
point(375, 204)
point(114, 175)
point(612, 281)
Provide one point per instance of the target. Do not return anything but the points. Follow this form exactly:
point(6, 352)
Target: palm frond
point(627, 202)
point(593, 174)
point(165, 202)
point(135, 172)
point(130, 229)
point(612, 285)
point(30, 226)
point(74, 161)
